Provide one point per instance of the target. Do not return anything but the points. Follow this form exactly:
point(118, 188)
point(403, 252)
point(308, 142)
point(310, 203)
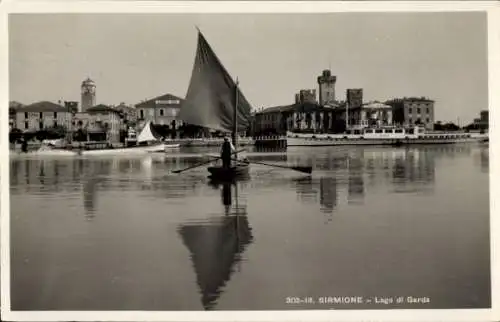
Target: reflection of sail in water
point(216, 248)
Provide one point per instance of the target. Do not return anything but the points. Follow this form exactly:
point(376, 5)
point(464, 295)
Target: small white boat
point(171, 146)
point(147, 135)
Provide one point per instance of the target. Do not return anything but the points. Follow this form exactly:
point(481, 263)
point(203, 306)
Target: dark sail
point(210, 98)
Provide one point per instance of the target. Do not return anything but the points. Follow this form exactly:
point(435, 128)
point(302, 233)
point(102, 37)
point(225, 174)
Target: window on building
point(410, 110)
point(161, 112)
point(427, 120)
point(418, 110)
point(141, 112)
point(26, 125)
point(427, 110)
point(55, 115)
point(26, 115)
point(410, 121)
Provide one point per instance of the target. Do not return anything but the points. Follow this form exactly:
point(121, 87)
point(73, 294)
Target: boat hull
point(294, 140)
point(126, 151)
point(218, 173)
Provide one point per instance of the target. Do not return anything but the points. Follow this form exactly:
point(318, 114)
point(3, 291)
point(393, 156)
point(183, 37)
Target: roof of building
point(302, 107)
point(409, 99)
point(15, 104)
point(43, 106)
point(88, 81)
point(375, 105)
point(101, 108)
point(123, 106)
point(165, 97)
point(275, 109)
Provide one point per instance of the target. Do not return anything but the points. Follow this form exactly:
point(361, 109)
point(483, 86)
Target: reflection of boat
point(214, 101)
point(216, 248)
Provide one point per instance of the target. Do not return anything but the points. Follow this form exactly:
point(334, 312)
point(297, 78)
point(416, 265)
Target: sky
point(133, 57)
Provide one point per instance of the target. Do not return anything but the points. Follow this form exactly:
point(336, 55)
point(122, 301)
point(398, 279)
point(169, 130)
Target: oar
point(307, 170)
point(203, 163)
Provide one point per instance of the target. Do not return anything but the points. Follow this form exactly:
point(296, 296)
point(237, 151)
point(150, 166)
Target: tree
point(15, 135)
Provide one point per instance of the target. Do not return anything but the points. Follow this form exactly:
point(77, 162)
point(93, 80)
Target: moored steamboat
point(384, 135)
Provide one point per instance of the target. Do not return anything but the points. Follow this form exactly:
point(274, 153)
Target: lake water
point(370, 224)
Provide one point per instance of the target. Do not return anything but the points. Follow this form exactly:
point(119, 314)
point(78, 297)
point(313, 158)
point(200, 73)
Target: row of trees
point(53, 133)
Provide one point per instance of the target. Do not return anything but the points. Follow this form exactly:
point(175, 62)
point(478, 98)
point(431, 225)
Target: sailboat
point(215, 101)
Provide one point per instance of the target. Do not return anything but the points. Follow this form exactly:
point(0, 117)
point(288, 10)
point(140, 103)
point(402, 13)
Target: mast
point(235, 118)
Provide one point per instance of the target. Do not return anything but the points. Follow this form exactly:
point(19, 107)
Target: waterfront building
point(42, 115)
point(129, 113)
point(326, 84)
point(310, 117)
point(375, 114)
point(161, 110)
point(412, 111)
point(482, 121)
point(484, 117)
point(101, 122)
point(71, 106)
point(88, 95)
point(13, 106)
point(302, 116)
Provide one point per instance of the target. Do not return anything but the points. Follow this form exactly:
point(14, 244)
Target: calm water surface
point(126, 234)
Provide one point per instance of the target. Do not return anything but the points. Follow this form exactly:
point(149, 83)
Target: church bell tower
point(88, 95)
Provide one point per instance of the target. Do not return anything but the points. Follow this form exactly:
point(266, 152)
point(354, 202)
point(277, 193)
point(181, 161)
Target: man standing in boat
point(226, 153)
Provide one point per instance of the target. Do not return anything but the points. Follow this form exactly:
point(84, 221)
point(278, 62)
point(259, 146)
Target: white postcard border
point(491, 7)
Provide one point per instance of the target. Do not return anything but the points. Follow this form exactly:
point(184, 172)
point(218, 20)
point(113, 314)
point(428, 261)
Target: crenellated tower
point(326, 84)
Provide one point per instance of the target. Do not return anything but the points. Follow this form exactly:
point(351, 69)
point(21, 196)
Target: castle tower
point(88, 95)
point(326, 84)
